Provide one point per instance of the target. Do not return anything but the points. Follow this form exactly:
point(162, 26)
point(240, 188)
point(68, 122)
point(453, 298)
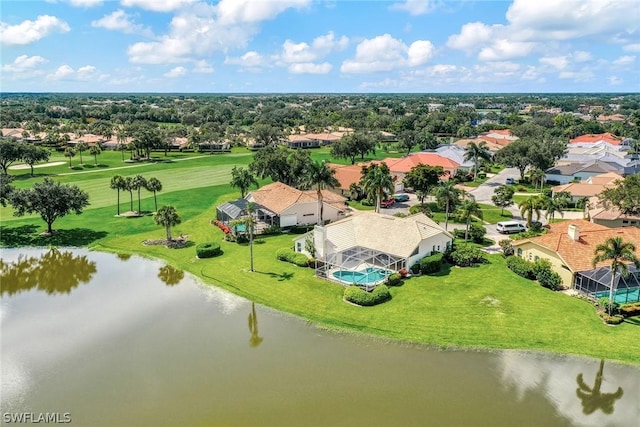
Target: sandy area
point(44, 165)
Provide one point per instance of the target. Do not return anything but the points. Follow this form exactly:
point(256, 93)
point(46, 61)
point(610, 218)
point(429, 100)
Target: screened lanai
point(597, 283)
point(360, 266)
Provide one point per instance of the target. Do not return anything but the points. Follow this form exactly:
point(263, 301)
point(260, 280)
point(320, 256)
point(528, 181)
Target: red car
point(387, 203)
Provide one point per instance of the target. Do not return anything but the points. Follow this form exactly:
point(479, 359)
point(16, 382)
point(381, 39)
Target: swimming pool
point(367, 276)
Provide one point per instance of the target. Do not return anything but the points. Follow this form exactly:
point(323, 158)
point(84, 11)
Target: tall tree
point(127, 185)
point(503, 197)
point(249, 221)
point(529, 206)
point(555, 203)
point(5, 188)
point(80, 147)
point(51, 200)
point(408, 140)
point(321, 176)
point(266, 134)
point(476, 152)
point(619, 253)
point(10, 152)
point(423, 178)
point(154, 185)
point(117, 183)
point(515, 155)
point(448, 195)
point(139, 182)
point(376, 180)
point(168, 217)
point(537, 176)
point(242, 179)
point(95, 150)
point(468, 209)
point(69, 152)
point(625, 195)
point(32, 154)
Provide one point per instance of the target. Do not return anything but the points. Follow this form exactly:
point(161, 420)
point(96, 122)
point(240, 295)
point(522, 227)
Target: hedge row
point(431, 264)
point(539, 270)
point(359, 296)
point(394, 279)
point(521, 267)
point(208, 250)
point(289, 255)
point(466, 256)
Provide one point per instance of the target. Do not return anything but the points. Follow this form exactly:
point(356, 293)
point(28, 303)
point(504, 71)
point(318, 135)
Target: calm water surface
point(131, 342)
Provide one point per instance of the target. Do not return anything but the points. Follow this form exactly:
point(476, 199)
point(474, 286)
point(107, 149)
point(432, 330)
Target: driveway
point(484, 191)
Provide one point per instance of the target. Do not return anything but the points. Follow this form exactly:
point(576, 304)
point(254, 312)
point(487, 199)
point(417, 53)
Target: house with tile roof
point(591, 187)
point(591, 138)
point(365, 248)
point(570, 246)
point(564, 173)
point(278, 204)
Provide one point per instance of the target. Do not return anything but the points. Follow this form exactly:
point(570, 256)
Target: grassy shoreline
point(459, 308)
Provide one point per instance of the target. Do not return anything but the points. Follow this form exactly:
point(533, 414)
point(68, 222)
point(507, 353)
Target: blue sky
point(320, 46)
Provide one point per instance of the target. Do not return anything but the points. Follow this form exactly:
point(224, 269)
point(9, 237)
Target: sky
point(320, 46)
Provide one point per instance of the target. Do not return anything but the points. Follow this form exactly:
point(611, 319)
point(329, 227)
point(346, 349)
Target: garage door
point(288, 220)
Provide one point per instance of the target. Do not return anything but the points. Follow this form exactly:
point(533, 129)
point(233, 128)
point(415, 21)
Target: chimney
point(574, 232)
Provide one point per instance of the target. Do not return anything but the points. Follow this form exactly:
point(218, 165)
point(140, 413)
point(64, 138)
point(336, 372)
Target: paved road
point(485, 190)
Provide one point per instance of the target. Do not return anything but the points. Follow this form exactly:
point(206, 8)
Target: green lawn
point(493, 214)
point(460, 307)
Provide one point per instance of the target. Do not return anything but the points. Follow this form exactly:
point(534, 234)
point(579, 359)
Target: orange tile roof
point(577, 255)
point(593, 138)
point(278, 196)
point(404, 164)
point(492, 146)
point(502, 142)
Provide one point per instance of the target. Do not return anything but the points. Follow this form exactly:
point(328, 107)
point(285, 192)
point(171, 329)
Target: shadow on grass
point(26, 176)
point(30, 235)
point(281, 277)
point(633, 320)
point(444, 271)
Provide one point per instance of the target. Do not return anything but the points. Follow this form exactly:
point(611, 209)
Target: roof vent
point(574, 232)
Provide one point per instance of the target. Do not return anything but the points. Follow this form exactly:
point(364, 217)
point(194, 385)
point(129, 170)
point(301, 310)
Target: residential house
point(302, 141)
point(610, 216)
point(590, 187)
point(570, 250)
point(569, 172)
point(281, 205)
point(455, 153)
point(365, 248)
point(600, 137)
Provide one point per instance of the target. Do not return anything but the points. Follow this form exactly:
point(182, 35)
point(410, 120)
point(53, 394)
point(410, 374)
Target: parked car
point(508, 227)
point(509, 181)
point(387, 203)
point(401, 197)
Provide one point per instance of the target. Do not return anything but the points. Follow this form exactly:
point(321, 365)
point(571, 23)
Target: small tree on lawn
point(138, 183)
point(249, 221)
point(51, 200)
point(69, 152)
point(503, 197)
point(468, 209)
point(167, 216)
point(154, 185)
point(95, 150)
point(117, 183)
point(32, 154)
point(242, 179)
point(80, 147)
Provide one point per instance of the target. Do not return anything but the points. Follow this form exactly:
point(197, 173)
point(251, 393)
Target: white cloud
point(166, 51)
point(624, 60)
point(157, 5)
point(297, 52)
point(31, 31)
point(557, 62)
point(615, 80)
point(249, 59)
point(176, 72)
point(310, 68)
point(505, 49)
point(252, 11)
point(203, 67)
point(85, 3)
point(634, 47)
point(471, 36)
point(414, 7)
point(385, 53)
point(120, 21)
point(580, 76)
point(329, 43)
point(581, 56)
point(24, 63)
point(320, 47)
point(84, 73)
point(381, 84)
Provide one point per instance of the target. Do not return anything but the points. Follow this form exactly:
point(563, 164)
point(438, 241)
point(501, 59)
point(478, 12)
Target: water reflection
point(591, 397)
point(169, 275)
point(123, 257)
point(255, 339)
point(54, 272)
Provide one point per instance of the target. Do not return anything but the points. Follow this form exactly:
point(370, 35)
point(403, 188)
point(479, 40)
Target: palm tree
point(139, 182)
point(117, 183)
point(476, 152)
point(322, 176)
point(584, 204)
point(69, 152)
point(592, 398)
point(618, 252)
point(376, 179)
point(537, 175)
point(167, 216)
point(94, 150)
point(80, 147)
point(242, 179)
point(469, 208)
point(154, 185)
point(448, 195)
point(255, 339)
point(249, 221)
point(528, 206)
point(128, 185)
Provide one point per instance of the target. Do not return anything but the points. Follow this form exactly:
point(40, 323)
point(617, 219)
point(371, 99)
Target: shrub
point(616, 319)
point(242, 238)
point(208, 250)
point(630, 309)
point(477, 233)
point(421, 208)
point(507, 247)
point(403, 272)
point(431, 264)
point(549, 279)
point(467, 256)
point(359, 296)
point(521, 267)
point(415, 268)
point(300, 229)
point(394, 279)
point(288, 255)
point(272, 229)
point(482, 175)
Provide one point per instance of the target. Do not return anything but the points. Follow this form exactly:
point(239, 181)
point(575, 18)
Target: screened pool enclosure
point(597, 284)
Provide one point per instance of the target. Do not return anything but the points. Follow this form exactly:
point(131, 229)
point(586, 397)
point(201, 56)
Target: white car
point(508, 227)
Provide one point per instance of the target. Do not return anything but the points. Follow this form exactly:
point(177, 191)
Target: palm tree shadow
point(281, 277)
point(592, 398)
point(26, 235)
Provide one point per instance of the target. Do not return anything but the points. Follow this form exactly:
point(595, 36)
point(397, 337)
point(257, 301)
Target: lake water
point(131, 342)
